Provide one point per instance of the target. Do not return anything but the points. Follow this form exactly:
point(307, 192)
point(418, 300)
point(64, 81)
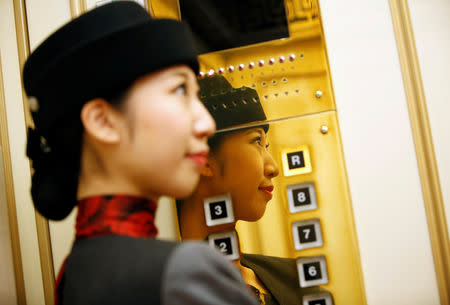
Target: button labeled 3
point(218, 210)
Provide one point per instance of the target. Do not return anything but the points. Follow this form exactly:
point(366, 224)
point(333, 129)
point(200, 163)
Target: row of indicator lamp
point(251, 65)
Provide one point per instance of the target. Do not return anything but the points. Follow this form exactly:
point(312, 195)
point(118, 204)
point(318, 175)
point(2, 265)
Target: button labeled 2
point(307, 234)
point(226, 243)
point(296, 161)
point(301, 197)
point(218, 210)
point(312, 271)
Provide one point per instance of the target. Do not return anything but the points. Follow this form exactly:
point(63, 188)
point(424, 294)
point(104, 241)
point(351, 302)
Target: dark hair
point(55, 179)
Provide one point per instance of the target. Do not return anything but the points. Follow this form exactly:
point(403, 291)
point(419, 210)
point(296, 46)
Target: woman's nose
point(271, 167)
point(204, 124)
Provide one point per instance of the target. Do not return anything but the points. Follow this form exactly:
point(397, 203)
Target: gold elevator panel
point(292, 78)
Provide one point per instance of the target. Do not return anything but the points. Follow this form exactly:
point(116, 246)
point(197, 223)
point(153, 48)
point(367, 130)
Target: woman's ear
point(101, 121)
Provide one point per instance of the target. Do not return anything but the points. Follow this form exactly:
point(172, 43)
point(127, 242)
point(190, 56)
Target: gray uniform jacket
point(126, 270)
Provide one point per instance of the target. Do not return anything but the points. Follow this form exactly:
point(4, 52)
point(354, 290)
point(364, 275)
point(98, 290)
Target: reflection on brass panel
point(273, 234)
point(165, 9)
point(310, 214)
point(234, 23)
point(286, 72)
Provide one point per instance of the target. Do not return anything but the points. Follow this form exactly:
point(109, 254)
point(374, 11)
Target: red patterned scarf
point(111, 215)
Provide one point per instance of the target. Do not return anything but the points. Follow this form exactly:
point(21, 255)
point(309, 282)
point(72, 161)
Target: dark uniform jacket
point(280, 277)
point(126, 270)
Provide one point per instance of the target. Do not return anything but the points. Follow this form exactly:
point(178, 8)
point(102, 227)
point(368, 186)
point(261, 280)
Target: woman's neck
point(99, 176)
point(193, 226)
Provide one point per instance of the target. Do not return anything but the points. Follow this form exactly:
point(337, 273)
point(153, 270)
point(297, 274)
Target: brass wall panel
point(294, 86)
point(272, 235)
point(285, 89)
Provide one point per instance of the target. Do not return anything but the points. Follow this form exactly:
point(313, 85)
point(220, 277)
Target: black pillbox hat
point(229, 106)
point(98, 54)
point(100, 51)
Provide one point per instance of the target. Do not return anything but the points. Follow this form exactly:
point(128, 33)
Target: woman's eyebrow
point(258, 130)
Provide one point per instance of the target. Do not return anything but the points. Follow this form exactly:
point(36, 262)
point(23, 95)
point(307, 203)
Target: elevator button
point(312, 271)
point(307, 234)
point(301, 197)
point(323, 298)
point(296, 161)
point(226, 243)
point(218, 210)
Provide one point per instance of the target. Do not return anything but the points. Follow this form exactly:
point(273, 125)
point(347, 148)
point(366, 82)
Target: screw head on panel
point(318, 94)
point(324, 129)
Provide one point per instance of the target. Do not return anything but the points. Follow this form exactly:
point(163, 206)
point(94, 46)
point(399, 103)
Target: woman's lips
point(267, 190)
point(199, 158)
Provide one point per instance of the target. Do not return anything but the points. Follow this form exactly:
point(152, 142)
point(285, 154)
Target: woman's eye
point(258, 140)
point(181, 89)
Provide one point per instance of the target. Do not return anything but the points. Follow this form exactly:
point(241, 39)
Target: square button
point(312, 271)
point(323, 298)
point(218, 210)
point(296, 161)
point(307, 234)
point(226, 243)
point(301, 197)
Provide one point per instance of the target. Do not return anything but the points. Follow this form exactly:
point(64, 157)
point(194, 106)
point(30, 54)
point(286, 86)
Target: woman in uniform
point(118, 124)
point(240, 166)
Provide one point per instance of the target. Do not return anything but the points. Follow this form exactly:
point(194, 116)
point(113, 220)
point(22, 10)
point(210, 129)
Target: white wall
point(379, 153)
point(7, 282)
point(44, 17)
point(20, 165)
point(431, 25)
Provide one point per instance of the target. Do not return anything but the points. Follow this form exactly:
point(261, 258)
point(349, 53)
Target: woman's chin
point(254, 215)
